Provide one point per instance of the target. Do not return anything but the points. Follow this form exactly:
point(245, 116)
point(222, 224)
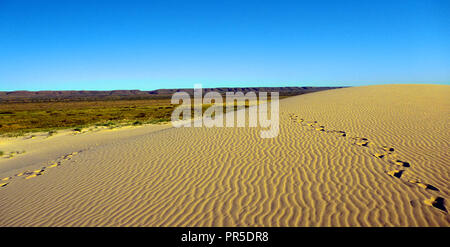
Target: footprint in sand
point(360, 141)
point(39, 171)
point(28, 174)
point(54, 165)
point(35, 174)
point(320, 128)
point(339, 132)
point(13, 154)
point(378, 155)
point(311, 123)
point(69, 156)
point(387, 149)
point(25, 173)
point(437, 202)
point(342, 133)
point(423, 185)
point(384, 154)
point(396, 173)
point(400, 163)
point(31, 176)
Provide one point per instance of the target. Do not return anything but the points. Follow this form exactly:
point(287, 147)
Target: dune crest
point(362, 156)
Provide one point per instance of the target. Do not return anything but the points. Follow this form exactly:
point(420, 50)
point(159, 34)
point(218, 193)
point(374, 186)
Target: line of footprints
point(383, 152)
point(39, 172)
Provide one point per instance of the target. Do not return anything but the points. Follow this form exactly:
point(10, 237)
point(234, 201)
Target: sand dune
point(362, 156)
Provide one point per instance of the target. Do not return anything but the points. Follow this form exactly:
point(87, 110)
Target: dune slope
point(363, 156)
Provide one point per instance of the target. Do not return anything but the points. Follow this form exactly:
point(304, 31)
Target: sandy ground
point(363, 156)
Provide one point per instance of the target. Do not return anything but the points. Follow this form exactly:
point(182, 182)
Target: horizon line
point(286, 86)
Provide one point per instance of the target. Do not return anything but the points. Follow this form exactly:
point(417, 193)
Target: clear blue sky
point(95, 45)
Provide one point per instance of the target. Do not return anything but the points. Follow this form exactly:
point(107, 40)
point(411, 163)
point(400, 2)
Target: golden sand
point(362, 156)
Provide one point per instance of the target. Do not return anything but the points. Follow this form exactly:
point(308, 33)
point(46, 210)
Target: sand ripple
point(364, 156)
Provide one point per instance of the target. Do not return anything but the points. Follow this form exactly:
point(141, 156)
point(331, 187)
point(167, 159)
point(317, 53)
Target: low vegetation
point(19, 118)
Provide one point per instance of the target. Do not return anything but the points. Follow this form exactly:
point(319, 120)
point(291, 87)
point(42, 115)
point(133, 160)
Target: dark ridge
point(84, 95)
